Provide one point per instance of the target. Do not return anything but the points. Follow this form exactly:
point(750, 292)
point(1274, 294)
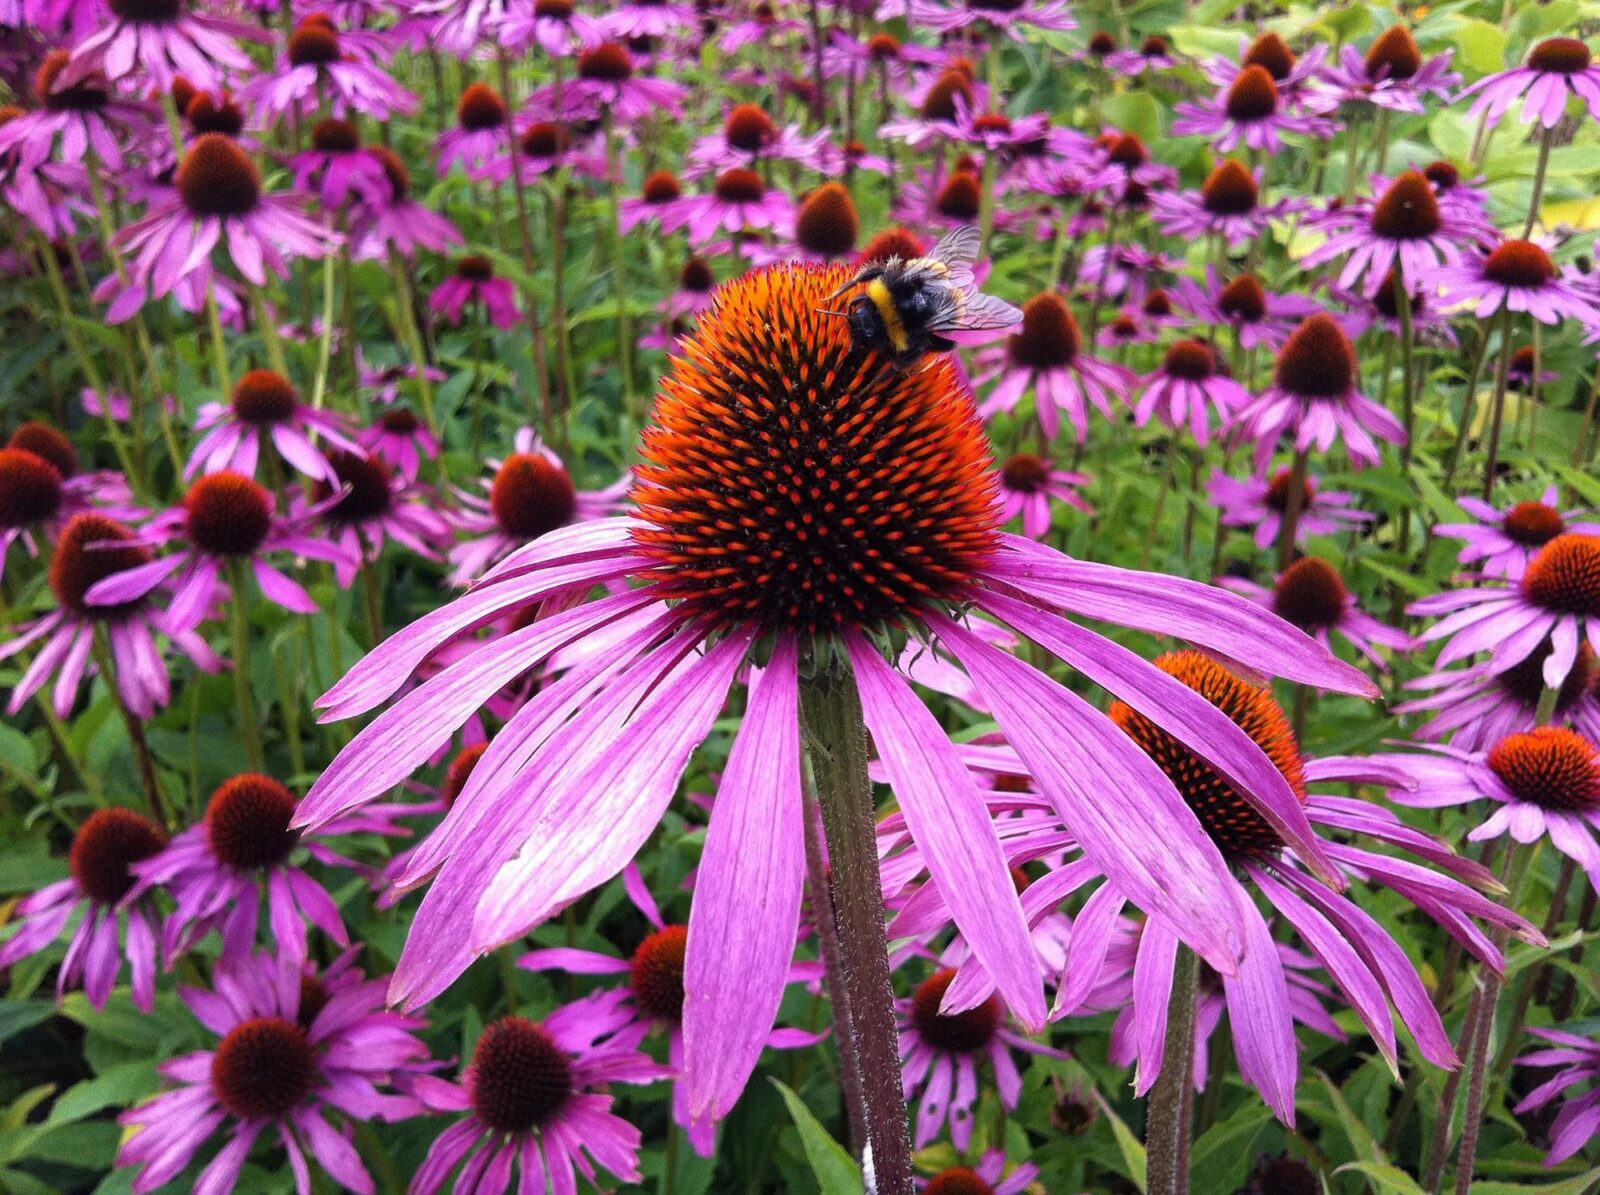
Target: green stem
point(1293, 501)
point(1167, 1123)
point(239, 619)
point(136, 740)
point(618, 242)
point(1498, 408)
point(1539, 169)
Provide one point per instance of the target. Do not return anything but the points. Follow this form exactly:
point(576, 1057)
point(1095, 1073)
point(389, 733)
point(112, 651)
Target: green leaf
point(1132, 1148)
point(119, 1087)
point(1134, 112)
point(1571, 1186)
point(15, 1017)
point(836, 1173)
point(1225, 1152)
point(1482, 46)
point(1385, 1179)
point(1360, 1137)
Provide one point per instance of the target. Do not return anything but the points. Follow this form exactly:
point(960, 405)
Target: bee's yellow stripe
point(881, 299)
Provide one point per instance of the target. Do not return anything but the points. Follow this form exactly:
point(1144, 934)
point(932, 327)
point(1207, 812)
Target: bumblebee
point(909, 308)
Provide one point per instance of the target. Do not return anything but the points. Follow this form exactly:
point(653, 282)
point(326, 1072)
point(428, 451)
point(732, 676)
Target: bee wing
point(955, 254)
point(973, 311)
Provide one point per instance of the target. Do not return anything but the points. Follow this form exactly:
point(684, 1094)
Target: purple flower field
point(977, 597)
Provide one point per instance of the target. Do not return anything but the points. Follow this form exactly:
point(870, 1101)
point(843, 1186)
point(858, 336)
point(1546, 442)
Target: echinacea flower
point(1188, 386)
point(537, 1096)
point(529, 495)
point(1515, 275)
point(608, 81)
point(400, 440)
point(1501, 543)
point(649, 18)
point(228, 520)
point(91, 548)
point(1154, 54)
point(660, 200)
point(1544, 781)
point(546, 146)
point(293, 1050)
point(751, 138)
point(1312, 595)
point(323, 66)
point(1313, 398)
point(1392, 74)
point(1555, 70)
point(474, 281)
point(1557, 598)
point(156, 41)
point(1474, 707)
point(1405, 230)
point(554, 25)
point(883, 514)
point(1578, 1058)
point(1364, 962)
point(1046, 356)
point(827, 224)
point(86, 115)
point(1228, 205)
point(42, 488)
point(988, 1177)
point(1249, 113)
point(372, 504)
point(265, 410)
point(1028, 483)
point(941, 1053)
point(394, 221)
point(1257, 316)
point(104, 849)
point(1294, 75)
point(339, 168)
point(654, 996)
point(739, 201)
point(1010, 17)
point(217, 199)
point(478, 141)
point(1260, 503)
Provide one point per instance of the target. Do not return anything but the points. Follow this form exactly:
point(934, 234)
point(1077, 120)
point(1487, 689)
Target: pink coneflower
point(1312, 595)
point(396, 221)
point(220, 869)
point(1546, 781)
point(1364, 961)
point(1260, 503)
point(1429, 323)
point(1313, 396)
point(1226, 205)
point(724, 547)
point(401, 440)
point(228, 520)
point(545, 146)
point(338, 168)
point(750, 137)
point(1505, 541)
point(480, 137)
point(457, 28)
point(554, 25)
point(1046, 356)
point(649, 18)
point(941, 1053)
point(1516, 276)
point(739, 201)
point(1154, 54)
point(319, 67)
point(1578, 1058)
point(608, 82)
point(993, 132)
point(1555, 70)
point(1258, 316)
point(474, 281)
point(530, 495)
point(294, 1048)
point(105, 848)
point(1474, 707)
point(1010, 17)
point(659, 200)
point(1129, 166)
point(154, 42)
point(935, 106)
point(263, 409)
point(1189, 384)
point(696, 285)
point(1392, 74)
point(385, 381)
point(654, 996)
point(217, 199)
point(373, 504)
point(42, 489)
point(85, 114)
point(988, 1177)
point(1293, 74)
point(1558, 596)
point(1249, 112)
point(537, 1095)
point(92, 547)
point(1404, 229)
point(1028, 483)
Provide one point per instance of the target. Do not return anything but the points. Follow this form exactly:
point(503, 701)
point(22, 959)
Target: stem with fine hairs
point(834, 730)
point(1167, 1122)
point(1293, 503)
point(135, 727)
point(1497, 411)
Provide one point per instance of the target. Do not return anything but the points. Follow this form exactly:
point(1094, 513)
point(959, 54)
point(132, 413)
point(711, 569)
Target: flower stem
point(525, 234)
point(1534, 200)
point(1166, 1134)
point(1294, 500)
point(136, 739)
point(624, 331)
point(836, 748)
point(1498, 403)
point(239, 618)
